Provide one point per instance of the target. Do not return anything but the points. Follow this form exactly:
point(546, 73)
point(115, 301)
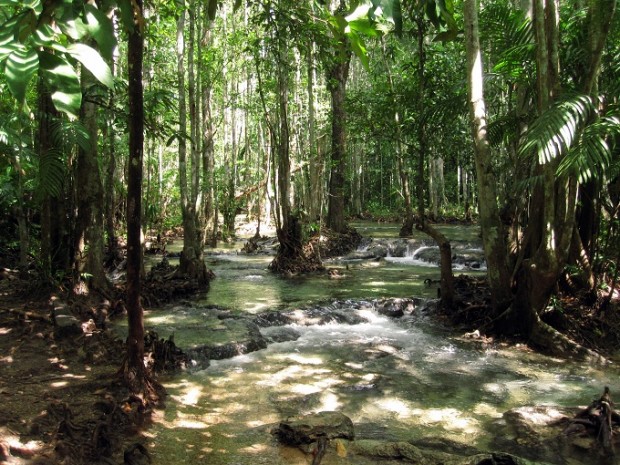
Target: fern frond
point(69, 133)
point(51, 173)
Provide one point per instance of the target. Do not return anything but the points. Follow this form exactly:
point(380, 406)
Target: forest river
point(398, 379)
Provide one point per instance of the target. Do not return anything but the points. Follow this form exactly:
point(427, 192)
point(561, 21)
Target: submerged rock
point(309, 428)
point(242, 337)
point(279, 334)
point(395, 308)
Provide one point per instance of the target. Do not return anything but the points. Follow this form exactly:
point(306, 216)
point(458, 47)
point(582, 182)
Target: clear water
point(396, 379)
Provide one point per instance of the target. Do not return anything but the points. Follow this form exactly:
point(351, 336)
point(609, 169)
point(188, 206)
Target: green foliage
point(572, 129)
point(49, 39)
point(510, 33)
point(366, 19)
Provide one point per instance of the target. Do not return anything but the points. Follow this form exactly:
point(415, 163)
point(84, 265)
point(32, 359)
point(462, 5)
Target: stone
point(309, 428)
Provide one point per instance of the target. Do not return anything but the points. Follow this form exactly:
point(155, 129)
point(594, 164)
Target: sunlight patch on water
point(329, 402)
point(487, 410)
point(394, 405)
point(305, 360)
point(191, 396)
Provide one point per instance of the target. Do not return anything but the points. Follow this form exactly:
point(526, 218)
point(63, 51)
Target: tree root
point(554, 342)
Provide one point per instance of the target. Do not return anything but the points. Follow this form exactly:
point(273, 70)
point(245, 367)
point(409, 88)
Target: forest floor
point(61, 399)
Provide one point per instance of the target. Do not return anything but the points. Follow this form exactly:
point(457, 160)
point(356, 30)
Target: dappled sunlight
point(304, 389)
point(255, 449)
point(305, 360)
point(329, 402)
point(395, 406)
point(191, 424)
point(4, 331)
point(28, 448)
point(487, 410)
point(59, 384)
point(190, 397)
point(449, 418)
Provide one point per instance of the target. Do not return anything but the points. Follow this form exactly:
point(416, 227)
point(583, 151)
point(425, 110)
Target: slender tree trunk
point(89, 222)
point(336, 83)
point(134, 372)
point(493, 233)
point(208, 145)
point(600, 17)
point(445, 249)
point(22, 217)
point(191, 263)
point(407, 227)
point(315, 160)
point(110, 178)
point(47, 114)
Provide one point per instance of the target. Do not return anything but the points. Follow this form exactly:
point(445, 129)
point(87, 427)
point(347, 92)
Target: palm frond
point(556, 130)
point(593, 153)
point(505, 129)
point(510, 33)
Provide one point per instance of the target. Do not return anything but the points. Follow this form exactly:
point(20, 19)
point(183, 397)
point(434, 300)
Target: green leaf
point(359, 48)
point(20, 66)
point(101, 29)
point(446, 36)
point(126, 13)
point(70, 24)
point(44, 36)
point(446, 10)
point(212, 9)
point(61, 77)
point(93, 62)
point(389, 10)
point(362, 26)
point(431, 13)
point(359, 13)
point(6, 50)
point(556, 130)
point(27, 24)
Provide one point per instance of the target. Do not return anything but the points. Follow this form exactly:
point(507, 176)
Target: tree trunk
point(600, 16)
point(290, 257)
point(208, 147)
point(191, 263)
point(407, 227)
point(337, 75)
point(54, 256)
point(445, 249)
point(493, 231)
point(289, 237)
point(109, 191)
point(89, 189)
point(315, 164)
point(22, 217)
point(134, 371)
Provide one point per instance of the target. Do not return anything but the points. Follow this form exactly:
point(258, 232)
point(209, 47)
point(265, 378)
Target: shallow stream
point(398, 379)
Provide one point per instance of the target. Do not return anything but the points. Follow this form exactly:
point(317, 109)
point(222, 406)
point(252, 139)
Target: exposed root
point(551, 341)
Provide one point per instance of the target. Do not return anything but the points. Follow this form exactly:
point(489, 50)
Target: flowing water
point(397, 379)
